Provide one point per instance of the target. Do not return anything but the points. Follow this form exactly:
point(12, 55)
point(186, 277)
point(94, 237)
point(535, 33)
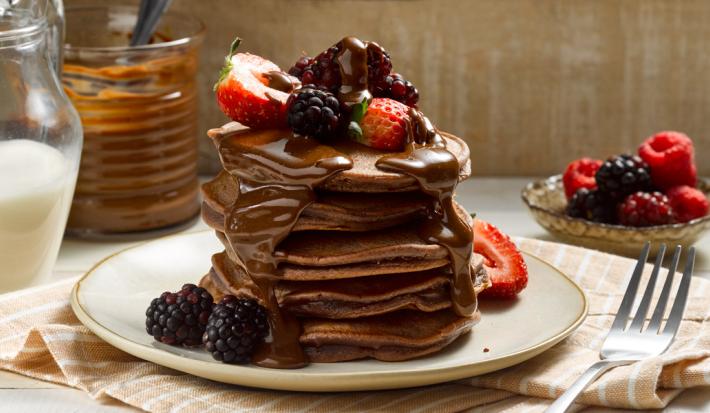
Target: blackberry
point(180, 317)
point(644, 209)
point(235, 328)
point(623, 175)
point(313, 112)
point(592, 205)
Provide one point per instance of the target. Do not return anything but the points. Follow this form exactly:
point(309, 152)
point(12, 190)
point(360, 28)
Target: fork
point(627, 345)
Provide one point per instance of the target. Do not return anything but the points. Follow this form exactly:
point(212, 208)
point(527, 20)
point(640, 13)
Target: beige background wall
point(530, 84)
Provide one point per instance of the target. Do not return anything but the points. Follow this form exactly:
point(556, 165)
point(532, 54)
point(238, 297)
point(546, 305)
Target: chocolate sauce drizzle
point(436, 169)
point(277, 174)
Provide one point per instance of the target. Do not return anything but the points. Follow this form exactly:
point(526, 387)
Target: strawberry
point(243, 91)
point(502, 260)
point(381, 125)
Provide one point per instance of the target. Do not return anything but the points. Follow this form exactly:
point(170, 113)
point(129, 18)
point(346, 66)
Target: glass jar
point(138, 106)
point(40, 144)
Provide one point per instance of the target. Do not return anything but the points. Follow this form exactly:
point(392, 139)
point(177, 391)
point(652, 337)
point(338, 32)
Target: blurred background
point(530, 84)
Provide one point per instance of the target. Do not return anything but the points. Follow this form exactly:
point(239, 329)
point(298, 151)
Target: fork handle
point(597, 369)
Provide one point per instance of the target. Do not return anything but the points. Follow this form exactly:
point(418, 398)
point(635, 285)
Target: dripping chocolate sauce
point(436, 169)
point(277, 174)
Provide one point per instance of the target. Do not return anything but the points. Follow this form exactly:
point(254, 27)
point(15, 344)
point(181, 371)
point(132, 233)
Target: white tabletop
point(494, 199)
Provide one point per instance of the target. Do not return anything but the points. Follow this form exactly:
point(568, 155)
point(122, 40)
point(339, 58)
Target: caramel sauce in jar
point(138, 108)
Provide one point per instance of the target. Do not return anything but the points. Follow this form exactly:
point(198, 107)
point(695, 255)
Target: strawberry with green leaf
point(243, 91)
point(381, 125)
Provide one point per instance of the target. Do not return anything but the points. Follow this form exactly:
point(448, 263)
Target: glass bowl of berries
point(619, 204)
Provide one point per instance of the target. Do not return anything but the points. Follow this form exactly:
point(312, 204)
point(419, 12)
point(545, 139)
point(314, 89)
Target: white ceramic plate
point(111, 300)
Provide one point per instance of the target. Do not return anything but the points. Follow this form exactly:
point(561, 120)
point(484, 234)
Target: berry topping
point(235, 328)
point(379, 64)
point(623, 175)
point(503, 262)
point(644, 209)
point(313, 112)
point(383, 126)
point(688, 203)
point(394, 86)
point(580, 174)
point(180, 317)
point(324, 71)
point(300, 65)
point(243, 91)
point(671, 158)
point(592, 205)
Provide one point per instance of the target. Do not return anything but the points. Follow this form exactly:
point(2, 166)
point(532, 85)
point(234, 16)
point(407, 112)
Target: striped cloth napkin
point(41, 338)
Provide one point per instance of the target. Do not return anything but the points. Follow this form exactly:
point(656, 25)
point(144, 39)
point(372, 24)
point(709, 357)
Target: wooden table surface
point(494, 199)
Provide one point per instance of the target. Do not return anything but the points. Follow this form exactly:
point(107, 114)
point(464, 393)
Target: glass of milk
point(40, 145)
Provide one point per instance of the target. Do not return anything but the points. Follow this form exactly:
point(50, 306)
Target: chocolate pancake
point(347, 298)
point(364, 176)
point(327, 255)
point(332, 212)
point(397, 336)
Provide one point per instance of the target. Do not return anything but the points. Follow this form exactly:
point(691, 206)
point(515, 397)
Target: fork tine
point(681, 298)
point(640, 317)
point(622, 315)
point(655, 324)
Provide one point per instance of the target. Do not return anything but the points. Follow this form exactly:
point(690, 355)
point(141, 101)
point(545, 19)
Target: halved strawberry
point(503, 262)
point(381, 125)
point(243, 91)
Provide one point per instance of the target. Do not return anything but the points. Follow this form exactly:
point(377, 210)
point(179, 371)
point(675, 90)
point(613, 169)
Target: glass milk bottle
point(40, 143)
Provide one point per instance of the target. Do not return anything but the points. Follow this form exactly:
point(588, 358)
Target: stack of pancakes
point(354, 271)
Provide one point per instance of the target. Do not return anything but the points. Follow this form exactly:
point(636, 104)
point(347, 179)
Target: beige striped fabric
point(41, 338)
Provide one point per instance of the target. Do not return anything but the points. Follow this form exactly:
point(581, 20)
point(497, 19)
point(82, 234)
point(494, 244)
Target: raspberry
point(644, 209)
point(580, 174)
point(592, 205)
point(622, 175)
point(300, 65)
point(235, 328)
point(688, 203)
point(181, 317)
point(671, 157)
point(313, 112)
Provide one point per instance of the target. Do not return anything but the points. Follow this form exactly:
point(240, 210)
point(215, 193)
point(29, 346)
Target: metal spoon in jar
point(149, 14)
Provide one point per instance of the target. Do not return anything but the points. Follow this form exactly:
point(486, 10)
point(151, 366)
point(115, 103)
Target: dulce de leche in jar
point(138, 108)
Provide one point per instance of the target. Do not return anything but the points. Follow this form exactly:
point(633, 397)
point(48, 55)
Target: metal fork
point(627, 345)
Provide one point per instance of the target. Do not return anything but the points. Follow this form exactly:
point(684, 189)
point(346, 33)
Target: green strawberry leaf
point(224, 72)
point(358, 111)
point(354, 131)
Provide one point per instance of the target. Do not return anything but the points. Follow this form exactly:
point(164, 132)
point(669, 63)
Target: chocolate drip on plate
point(427, 160)
point(277, 173)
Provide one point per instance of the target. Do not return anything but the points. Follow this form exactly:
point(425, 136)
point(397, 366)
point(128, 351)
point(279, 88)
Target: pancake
point(331, 212)
point(364, 176)
point(351, 298)
point(347, 298)
point(397, 336)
